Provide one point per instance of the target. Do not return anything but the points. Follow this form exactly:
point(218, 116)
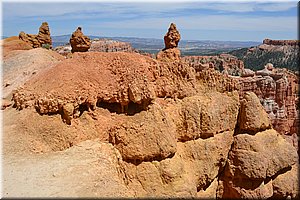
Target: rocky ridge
point(107, 45)
point(281, 53)
point(281, 42)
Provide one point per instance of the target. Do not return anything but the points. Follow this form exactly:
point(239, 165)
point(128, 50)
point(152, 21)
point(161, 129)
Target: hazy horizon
point(201, 20)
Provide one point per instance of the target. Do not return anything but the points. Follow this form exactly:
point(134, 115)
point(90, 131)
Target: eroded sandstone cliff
point(176, 130)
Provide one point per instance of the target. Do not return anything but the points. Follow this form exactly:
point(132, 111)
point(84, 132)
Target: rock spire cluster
point(42, 38)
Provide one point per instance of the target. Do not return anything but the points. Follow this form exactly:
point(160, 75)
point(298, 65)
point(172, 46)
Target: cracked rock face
point(79, 42)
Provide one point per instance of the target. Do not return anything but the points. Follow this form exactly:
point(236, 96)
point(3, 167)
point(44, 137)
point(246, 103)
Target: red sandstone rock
point(41, 39)
point(79, 42)
point(169, 54)
point(13, 43)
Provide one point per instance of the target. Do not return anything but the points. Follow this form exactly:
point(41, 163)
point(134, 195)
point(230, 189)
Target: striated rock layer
point(42, 39)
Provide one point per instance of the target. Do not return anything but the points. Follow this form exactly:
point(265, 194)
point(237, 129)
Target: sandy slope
point(84, 170)
point(22, 65)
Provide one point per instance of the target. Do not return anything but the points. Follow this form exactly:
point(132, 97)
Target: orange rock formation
point(170, 52)
point(79, 42)
point(42, 38)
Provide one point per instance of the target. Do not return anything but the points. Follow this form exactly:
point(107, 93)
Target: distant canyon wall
point(281, 42)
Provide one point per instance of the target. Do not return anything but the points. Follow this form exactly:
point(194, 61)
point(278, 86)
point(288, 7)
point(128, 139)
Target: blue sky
point(195, 20)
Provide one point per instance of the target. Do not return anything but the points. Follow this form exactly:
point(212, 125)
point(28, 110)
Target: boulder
point(254, 163)
point(206, 116)
point(252, 116)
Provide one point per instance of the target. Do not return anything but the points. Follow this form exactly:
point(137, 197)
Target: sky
point(195, 20)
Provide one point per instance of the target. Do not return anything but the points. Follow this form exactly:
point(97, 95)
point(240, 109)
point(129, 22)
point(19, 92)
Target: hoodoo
point(172, 38)
point(79, 42)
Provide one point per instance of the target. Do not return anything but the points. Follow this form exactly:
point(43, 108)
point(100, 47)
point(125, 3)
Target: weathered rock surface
point(169, 54)
point(171, 39)
point(79, 42)
point(159, 126)
point(252, 117)
point(255, 161)
point(193, 168)
point(124, 85)
point(42, 39)
point(177, 131)
point(205, 116)
point(287, 184)
point(145, 136)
